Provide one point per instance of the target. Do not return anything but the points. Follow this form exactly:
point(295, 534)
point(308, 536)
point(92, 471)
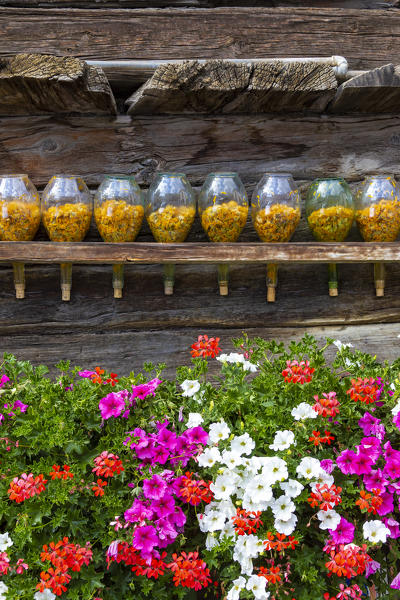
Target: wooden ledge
point(198, 253)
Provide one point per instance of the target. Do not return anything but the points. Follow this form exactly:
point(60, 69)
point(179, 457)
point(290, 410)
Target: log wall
point(145, 325)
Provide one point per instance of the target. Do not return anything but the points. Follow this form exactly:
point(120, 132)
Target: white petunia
point(329, 519)
point(218, 431)
point(238, 585)
point(5, 542)
point(375, 531)
point(303, 411)
point(213, 521)
point(323, 478)
point(274, 469)
point(283, 508)
point(396, 409)
point(223, 487)
point(231, 459)
point(233, 358)
point(259, 489)
point(249, 366)
point(247, 546)
point(282, 440)
point(209, 457)
point(292, 488)
point(286, 527)
point(4, 590)
point(45, 595)
point(249, 504)
point(211, 541)
point(194, 420)
point(257, 585)
point(190, 387)
point(242, 444)
point(340, 346)
point(309, 468)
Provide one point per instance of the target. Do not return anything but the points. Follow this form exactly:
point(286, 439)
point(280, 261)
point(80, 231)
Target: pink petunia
point(344, 533)
point(112, 405)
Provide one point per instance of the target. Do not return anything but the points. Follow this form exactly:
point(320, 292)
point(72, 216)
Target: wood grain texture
point(366, 38)
point(309, 147)
point(199, 253)
point(101, 4)
point(222, 87)
point(36, 84)
point(375, 91)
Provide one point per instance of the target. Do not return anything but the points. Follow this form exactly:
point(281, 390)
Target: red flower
point(317, 439)
point(280, 543)
point(96, 377)
point(246, 522)
point(194, 491)
point(325, 497)
point(190, 571)
point(98, 489)
point(107, 465)
point(348, 561)
point(272, 575)
point(26, 487)
point(364, 390)
point(205, 347)
point(370, 502)
point(112, 379)
point(327, 406)
point(58, 473)
point(298, 372)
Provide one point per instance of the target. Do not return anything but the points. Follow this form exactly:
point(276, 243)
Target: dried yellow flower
point(224, 222)
point(68, 222)
point(118, 221)
point(171, 223)
point(276, 223)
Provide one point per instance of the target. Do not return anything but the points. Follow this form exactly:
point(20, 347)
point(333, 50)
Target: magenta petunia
point(370, 446)
point(344, 533)
point(3, 380)
point(372, 567)
point(375, 480)
point(395, 585)
point(138, 512)
point(345, 462)
point(143, 390)
point(145, 538)
point(196, 435)
point(112, 405)
point(22, 407)
point(86, 374)
point(367, 421)
point(387, 505)
point(328, 465)
point(362, 464)
point(396, 420)
point(163, 506)
point(392, 468)
point(393, 526)
point(154, 488)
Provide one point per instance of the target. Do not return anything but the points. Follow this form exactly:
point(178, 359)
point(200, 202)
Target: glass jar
point(19, 209)
point(118, 208)
point(66, 208)
point(223, 207)
point(378, 209)
point(19, 218)
point(170, 207)
point(330, 215)
point(275, 207)
point(330, 209)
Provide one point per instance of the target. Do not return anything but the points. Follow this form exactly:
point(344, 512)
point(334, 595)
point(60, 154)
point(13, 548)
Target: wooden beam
point(366, 38)
point(224, 87)
point(102, 4)
point(198, 253)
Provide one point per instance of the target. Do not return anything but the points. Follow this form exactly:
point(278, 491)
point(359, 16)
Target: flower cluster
point(64, 557)
point(107, 465)
point(193, 491)
point(327, 406)
point(117, 404)
point(96, 376)
point(26, 486)
point(298, 372)
point(205, 347)
point(365, 390)
point(58, 473)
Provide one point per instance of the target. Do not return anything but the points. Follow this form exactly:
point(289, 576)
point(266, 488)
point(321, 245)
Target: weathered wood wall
point(145, 325)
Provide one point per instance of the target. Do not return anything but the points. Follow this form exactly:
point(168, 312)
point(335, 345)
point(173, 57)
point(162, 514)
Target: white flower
point(209, 457)
point(375, 531)
point(211, 541)
point(242, 444)
point(396, 409)
point(45, 595)
point(249, 504)
point(282, 440)
point(231, 459)
point(303, 411)
point(323, 478)
point(247, 546)
point(274, 469)
point(194, 420)
point(283, 508)
point(213, 521)
point(223, 487)
point(286, 527)
point(309, 468)
point(238, 585)
point(340, 346)
point(255, 585)
point(249, 366)
point(292, 488)
point(234, 358)
point(329, 519)
point(4, 590)
point(190, 387)
point(259, 489)
point(5, 542)
point(218, 431)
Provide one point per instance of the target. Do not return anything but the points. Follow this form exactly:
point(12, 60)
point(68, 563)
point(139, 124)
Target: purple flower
point(395, 585)
point(370, 446)
point(345, 462)
point(145, 389)
point(362, 464)
point(86, 374)
point(375, 480)
point(387, 504)
point(392, 468)
point(196, 435)
point(18, 404)
point(112, 405)
point(154, 488)
point(163, 506)
point(396, 420)
point(112, 551)
point(166, 531)
point(138, 512)
point(145, 538)
point(367, 422)
point(344, 533)
point(178, 517)
point(393, 526)
point(328, 465)
point(3, 380)
point(167, 438)
point(372, 567)
point(160, 455)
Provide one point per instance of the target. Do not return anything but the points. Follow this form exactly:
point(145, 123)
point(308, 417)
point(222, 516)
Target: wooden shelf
point(198, 253)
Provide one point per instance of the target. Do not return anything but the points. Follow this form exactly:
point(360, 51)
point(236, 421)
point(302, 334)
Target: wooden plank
point(40, 84)
point(218, 86)
point(366, 38)
point(199, 253)
point(309, 147)
point(375, 91)
point(126, 351)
